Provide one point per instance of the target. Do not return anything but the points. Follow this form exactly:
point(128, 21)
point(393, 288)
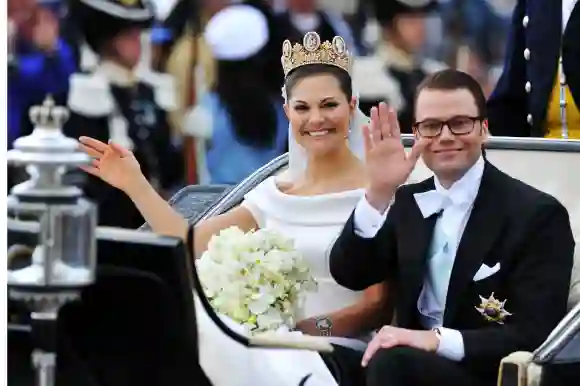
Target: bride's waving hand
point(112, 163)
point(118, 167)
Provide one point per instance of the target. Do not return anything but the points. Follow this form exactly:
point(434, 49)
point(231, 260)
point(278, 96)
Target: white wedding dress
point(314, 222)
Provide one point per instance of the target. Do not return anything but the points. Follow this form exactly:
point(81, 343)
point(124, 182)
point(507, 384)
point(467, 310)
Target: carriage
point(137, 323)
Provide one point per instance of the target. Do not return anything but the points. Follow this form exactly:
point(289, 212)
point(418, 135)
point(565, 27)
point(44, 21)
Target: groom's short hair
point(449, 80)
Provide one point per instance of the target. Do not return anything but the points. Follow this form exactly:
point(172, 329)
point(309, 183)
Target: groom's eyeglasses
point(459, 125)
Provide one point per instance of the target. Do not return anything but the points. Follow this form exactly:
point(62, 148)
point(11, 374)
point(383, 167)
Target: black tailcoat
point(525, 230)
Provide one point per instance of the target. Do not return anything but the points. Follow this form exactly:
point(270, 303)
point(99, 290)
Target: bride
point(310, 203)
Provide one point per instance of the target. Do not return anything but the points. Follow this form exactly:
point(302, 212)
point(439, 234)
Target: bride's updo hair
point(314, 57)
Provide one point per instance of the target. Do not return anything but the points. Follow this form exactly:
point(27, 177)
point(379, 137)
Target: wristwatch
point(324, 325)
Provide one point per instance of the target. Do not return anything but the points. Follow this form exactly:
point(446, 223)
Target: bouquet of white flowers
point(257, 278)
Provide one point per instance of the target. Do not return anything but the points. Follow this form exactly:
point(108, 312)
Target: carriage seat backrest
point(552, 172)
point(193, 200)
point(549, 171)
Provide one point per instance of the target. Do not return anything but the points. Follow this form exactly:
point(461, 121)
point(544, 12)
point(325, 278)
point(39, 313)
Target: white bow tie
point(432, 201)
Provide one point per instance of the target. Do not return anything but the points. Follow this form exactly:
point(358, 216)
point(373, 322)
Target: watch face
point(324, 325)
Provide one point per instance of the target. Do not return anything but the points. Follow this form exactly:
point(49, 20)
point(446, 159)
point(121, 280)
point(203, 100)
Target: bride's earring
point(350, 121)
point(347, 134)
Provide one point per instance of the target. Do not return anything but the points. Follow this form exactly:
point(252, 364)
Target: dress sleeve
point(256, 201)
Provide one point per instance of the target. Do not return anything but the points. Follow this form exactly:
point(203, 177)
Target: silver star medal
point(492, 309)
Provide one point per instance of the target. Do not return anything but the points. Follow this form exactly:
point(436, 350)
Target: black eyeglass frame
point(447, 123)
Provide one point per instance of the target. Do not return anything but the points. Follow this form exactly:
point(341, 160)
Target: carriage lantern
point(59, 258)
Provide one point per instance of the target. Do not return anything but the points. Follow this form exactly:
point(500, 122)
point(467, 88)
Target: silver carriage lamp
point(62, 261)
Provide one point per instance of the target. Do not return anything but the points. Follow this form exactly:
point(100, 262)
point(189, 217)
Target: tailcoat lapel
point(481, 232)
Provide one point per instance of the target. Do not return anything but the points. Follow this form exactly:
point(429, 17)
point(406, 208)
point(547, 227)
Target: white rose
point(270, 320)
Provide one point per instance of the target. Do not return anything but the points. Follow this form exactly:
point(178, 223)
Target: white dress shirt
point(368, 221)
point(567, 8)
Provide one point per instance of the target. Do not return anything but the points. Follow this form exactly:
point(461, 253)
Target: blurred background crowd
point(195, 90)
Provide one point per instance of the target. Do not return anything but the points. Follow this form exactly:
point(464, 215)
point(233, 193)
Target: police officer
point(539, 90)
point(395, 70)
point(113, 102)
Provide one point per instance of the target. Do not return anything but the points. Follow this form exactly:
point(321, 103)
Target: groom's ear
point(485, 129)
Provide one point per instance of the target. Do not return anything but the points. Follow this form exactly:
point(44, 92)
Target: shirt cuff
point(368, 220)
point(451, 344)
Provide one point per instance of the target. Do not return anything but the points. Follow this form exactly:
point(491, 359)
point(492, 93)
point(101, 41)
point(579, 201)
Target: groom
point(480, 261)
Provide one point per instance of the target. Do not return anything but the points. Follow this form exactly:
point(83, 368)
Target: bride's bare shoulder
point(285, 186)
